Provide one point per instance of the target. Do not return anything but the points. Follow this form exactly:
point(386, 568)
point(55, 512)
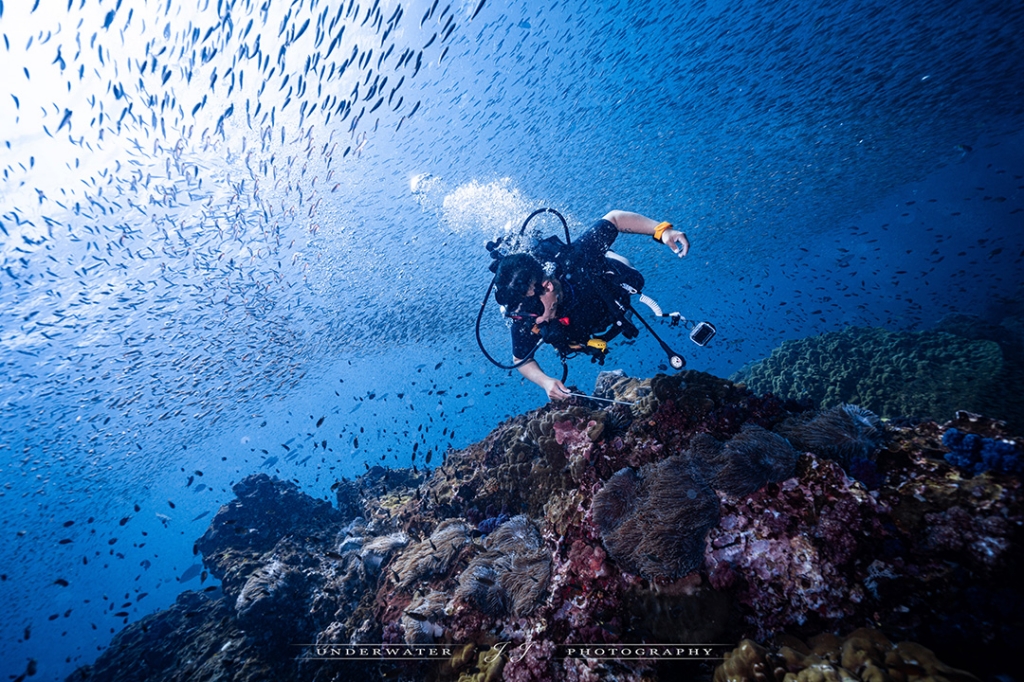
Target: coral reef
point(177, 644)
point(420, 619)
point(433, 555)
point(928, 374)
point(706, 514)
point(263, 512)
point(273, 594)
point(1006, 399)
point(865, 654)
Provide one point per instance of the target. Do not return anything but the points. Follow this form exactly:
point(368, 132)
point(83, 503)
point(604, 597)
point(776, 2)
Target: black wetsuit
point(582, 269)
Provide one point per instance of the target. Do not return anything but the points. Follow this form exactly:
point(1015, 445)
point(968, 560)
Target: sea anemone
point(511, 575)
point(843, 433)
point(749, 460)
point(653, 522)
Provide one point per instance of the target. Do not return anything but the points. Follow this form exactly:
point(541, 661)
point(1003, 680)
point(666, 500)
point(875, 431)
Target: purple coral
point(653, 522)
point(489, 524)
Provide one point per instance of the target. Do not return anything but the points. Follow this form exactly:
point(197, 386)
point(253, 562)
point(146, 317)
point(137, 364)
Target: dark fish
point(191, 573)
point(61, 582)
point(320, 421)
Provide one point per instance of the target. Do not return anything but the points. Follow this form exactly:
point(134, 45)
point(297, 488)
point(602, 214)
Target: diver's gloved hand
point(672, 238)
point(555, 389)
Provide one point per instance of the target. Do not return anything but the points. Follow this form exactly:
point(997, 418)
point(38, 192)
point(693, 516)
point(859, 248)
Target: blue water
point(206, 250)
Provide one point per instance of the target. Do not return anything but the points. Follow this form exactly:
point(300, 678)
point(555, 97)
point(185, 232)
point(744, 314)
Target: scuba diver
point(575, 296)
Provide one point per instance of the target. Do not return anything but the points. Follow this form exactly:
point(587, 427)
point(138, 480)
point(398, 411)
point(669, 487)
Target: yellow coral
point(489, 664)
point(746, 663)
point(862, 647)
point(865, 655)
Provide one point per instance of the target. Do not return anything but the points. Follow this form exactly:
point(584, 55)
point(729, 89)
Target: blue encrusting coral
point(977, 454)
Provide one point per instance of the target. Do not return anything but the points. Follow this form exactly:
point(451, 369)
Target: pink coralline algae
point(789, 548)
point(984, 538)
point(574, 440)
point(531, 662)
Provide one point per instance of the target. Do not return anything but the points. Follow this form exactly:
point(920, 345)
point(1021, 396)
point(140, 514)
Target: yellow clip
point(599, 344)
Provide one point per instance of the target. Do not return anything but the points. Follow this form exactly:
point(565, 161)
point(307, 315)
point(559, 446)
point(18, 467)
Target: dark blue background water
point(204, 253)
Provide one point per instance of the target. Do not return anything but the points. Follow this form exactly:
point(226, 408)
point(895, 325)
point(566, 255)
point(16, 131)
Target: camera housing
point(702, 333)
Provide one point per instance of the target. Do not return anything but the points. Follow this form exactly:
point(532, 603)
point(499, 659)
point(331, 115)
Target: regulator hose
point(490, 288)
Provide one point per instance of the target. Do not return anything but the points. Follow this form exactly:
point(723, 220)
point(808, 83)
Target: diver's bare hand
point(677, 241)
point(555, 389)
